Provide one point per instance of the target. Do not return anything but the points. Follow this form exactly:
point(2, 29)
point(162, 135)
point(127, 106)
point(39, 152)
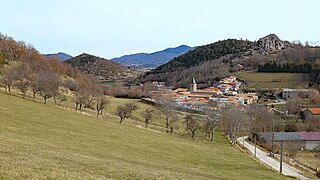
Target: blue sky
point(111, 28)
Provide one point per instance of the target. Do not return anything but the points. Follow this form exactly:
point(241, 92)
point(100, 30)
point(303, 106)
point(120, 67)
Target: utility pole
point(272, 145)
point(243, 140)
point(281, 156)
point(255, 146)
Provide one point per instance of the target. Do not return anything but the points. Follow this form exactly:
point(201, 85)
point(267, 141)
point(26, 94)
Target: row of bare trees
point(45, 82)
point(251, 120)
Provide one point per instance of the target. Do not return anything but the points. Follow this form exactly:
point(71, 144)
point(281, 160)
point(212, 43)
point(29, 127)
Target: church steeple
point(193, 86)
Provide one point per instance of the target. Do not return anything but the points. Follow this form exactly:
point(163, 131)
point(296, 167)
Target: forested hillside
point(23, 68)
point(205, 53)
point(218, 60)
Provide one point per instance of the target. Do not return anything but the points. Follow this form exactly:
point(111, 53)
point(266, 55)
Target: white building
point(292, 93)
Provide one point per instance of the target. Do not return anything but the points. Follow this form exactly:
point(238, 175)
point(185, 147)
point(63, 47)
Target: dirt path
point(275, 164)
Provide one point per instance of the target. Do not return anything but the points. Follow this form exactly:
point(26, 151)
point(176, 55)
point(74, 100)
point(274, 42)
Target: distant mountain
point(152, 60)
point(102, 69)
point(61, 56)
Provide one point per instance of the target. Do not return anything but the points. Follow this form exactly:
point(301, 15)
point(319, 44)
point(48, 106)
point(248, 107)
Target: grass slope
point(273, 80)
point(45, 141)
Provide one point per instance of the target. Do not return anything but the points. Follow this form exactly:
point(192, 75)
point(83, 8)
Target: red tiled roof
point(314, 111)
point(310, 136)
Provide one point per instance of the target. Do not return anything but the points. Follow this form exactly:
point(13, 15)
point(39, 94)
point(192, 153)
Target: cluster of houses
point(222, 94)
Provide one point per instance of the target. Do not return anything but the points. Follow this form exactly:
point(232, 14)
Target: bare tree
point(212, 120)
point(294, 105)
point(8, 78)
point(235, 119)
point(192, 125)
point(187, 120)
point(48, 84)
point(34, 85)
point(79, 99)
point(59, 98)
point(293, 148)
point(101, 103)
point(167, 108)
point(260, 119)
point(125, 111)
point(23, 78)
point(148, 116)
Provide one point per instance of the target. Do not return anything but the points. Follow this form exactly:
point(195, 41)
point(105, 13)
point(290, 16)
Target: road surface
point(275, 164)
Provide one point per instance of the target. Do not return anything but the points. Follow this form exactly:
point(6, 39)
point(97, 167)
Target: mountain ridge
point(61, 56)
point(152, 60)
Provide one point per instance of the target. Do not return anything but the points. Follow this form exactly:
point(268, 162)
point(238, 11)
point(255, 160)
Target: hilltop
point(100, 68)
point(152, 60)
point(61, 56)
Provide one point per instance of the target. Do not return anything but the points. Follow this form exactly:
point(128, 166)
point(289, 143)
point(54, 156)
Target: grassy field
point(273, 80)
point(308, 158)
point(40, 141)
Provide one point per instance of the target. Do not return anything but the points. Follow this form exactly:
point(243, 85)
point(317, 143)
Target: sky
point(112, 28)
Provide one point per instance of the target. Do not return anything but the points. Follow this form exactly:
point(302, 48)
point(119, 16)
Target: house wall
point(312, 145)
point(308, 115)
point(295, 93)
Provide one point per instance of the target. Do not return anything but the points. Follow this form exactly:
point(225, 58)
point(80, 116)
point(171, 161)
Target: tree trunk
point(9, 88)
point(24, 95)
point(212, 135)
point(45, 100)
point(34, 95)
point(227, 131)
point(193, 134)
point(167, 124)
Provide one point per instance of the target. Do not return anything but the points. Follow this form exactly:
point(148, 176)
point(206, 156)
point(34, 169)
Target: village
point(223, 93)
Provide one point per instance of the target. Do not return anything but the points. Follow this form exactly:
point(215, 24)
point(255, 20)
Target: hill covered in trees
point(217, 60)
point(100, 68)
point(205, 53)
point(152, 60)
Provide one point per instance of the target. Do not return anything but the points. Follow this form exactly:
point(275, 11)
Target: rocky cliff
point(269, 44)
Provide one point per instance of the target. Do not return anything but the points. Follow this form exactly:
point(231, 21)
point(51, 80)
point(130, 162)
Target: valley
point(88, 117)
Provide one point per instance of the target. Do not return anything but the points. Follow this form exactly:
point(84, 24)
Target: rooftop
point(300, 90)
point(310, 136)
point(314, 111)
point(292, 136)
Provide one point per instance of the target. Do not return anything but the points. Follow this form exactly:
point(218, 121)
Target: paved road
point(275, 164)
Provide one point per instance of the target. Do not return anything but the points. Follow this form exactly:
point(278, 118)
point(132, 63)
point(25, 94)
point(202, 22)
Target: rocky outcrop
point(269, 44)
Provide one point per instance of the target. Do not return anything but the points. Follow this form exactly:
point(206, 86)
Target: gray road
point(275, 164)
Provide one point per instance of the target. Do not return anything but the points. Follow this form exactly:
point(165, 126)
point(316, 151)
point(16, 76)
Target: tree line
point(274, 67)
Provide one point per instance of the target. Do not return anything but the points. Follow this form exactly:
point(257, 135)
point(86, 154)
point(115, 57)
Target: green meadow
point(273, 80)
point(39, 141)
